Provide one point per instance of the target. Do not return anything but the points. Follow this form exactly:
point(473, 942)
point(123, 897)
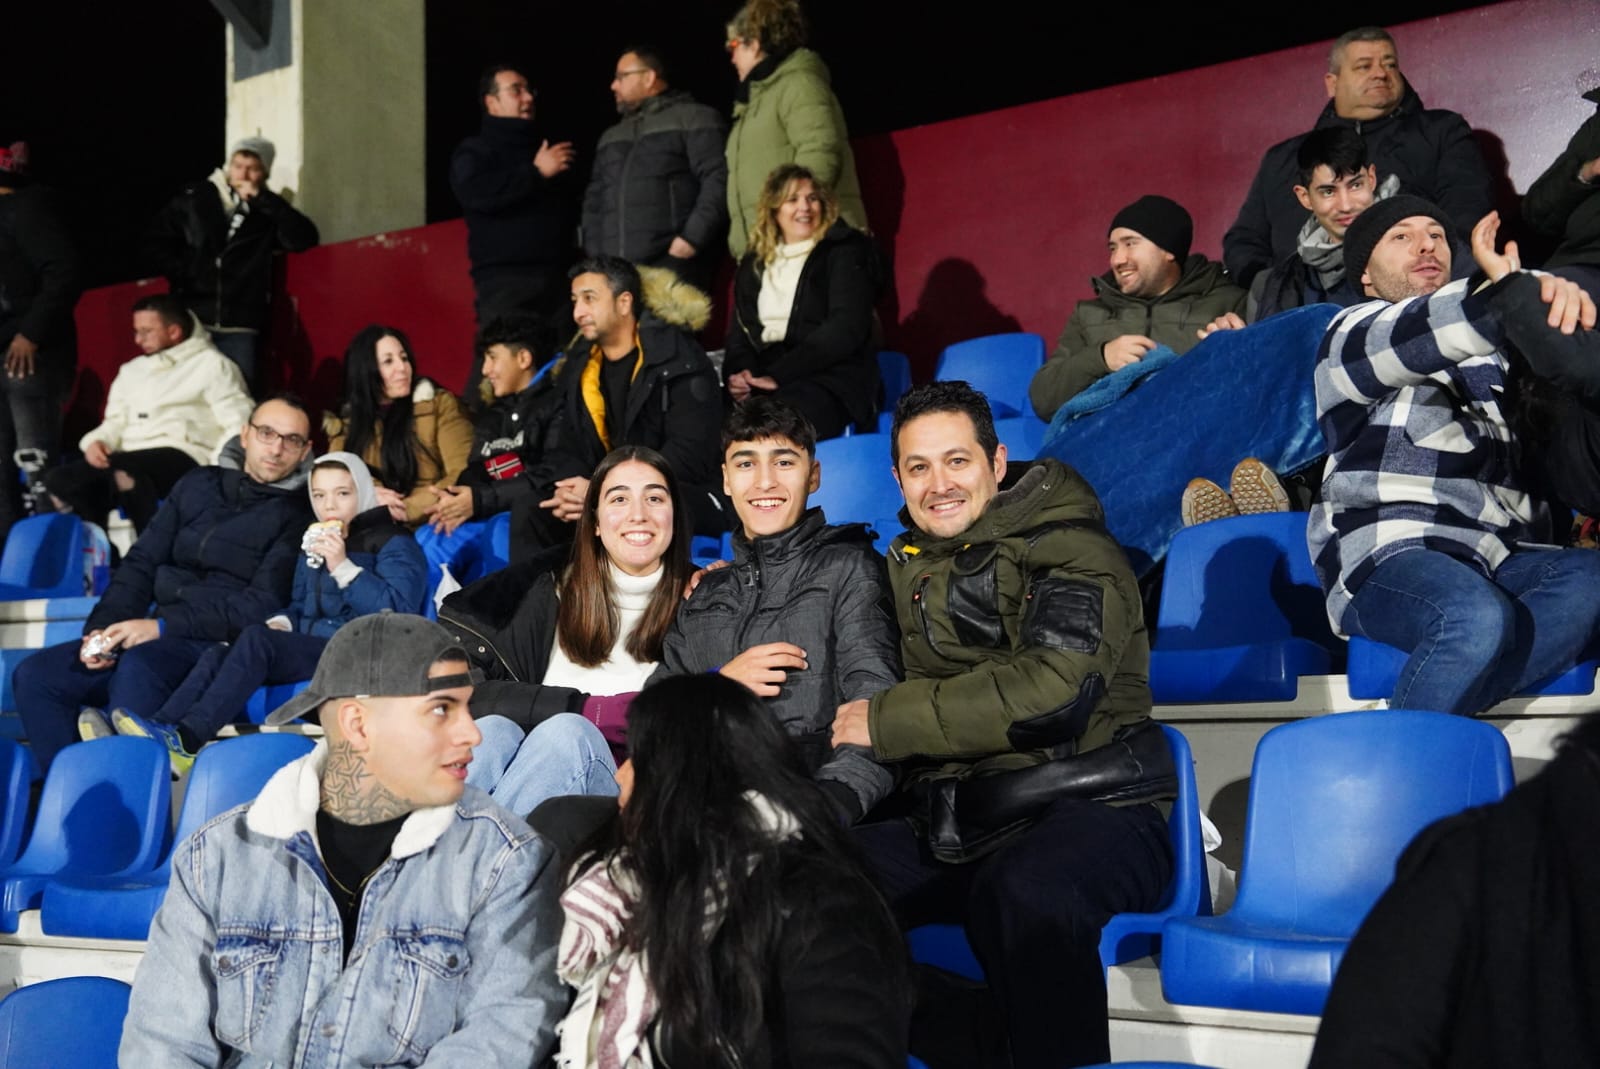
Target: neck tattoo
point(350, 793)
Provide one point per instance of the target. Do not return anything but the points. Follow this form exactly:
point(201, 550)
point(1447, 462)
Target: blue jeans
point(51, 685)
point(1473, 640)
point(563, 755)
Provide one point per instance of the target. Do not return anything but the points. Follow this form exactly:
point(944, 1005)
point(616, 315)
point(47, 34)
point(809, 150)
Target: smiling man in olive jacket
point(1026, 661)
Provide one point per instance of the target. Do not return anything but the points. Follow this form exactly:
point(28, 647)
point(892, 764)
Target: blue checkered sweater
point(1419, 454)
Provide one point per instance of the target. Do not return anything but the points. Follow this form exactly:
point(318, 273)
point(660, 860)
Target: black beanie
point(1368, 228)
point(1161, 221)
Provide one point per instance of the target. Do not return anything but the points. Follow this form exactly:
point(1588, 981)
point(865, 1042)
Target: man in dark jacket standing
point(219, 556)
point(658, 194)
point(1431, 150)
point(507, 178)
point(1155, 294)
point(630, 379)
point(1025, 654)
point(39, 285)
point(214, 242)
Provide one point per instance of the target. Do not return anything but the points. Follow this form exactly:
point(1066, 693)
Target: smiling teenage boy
point(803, 616)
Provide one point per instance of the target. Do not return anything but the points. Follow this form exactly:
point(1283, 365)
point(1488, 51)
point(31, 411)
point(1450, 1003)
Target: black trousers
point(1033, 911)
point(91, 492)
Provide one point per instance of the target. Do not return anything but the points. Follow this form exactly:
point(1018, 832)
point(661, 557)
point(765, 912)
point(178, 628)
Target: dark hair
point(621, 276)
point(369, 415)
point(1350, 37)
point(700, 745)
point(518, 332)
point(1338, 148)
point(285, 397)
point(173, 312)
point(649, 56)
point(952, 396)
point(759, 417)
point(586, 618)
point(486, 81)
point(331, 465)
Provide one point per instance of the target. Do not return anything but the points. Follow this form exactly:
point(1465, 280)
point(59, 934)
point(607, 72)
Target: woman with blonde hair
point(803, 326)
point(784, 111)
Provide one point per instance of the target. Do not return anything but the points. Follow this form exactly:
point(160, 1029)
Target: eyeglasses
point(733, 42)
point(617, 77)
point(269, 436)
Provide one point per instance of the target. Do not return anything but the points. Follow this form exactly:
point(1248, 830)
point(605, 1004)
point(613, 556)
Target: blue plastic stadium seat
point(103, 812)
point(227, 773)
point(1375, 668)
point(895, 370)
point(72, 1022)
point(1000, 366)
point(43, 558)
point(16, 777)
point(1333, 801)
point(498, 543)
point(1127, 936)
point(1242, 613)
point(266, 699)
point(1021, 435)
point(858, 484)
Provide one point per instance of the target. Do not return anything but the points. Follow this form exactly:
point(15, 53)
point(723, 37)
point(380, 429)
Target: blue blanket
point(1239, 393)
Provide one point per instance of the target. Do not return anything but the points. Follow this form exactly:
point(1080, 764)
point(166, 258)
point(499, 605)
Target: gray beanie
point(258, 147)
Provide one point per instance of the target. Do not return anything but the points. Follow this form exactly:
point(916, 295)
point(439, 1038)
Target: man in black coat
point(1564, 203)
point(39, 286)
point(214, 242)
point(219, 556)
point(630, 379)
point(1431, 150)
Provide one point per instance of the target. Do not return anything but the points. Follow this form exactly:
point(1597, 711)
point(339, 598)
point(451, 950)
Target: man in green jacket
point(1156, 293)
point(1024, 645)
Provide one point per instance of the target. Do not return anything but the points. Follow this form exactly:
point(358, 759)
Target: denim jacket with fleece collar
point(453, 962)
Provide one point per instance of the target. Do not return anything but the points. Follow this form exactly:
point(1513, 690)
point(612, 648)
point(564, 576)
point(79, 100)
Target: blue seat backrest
point(1240, 580)
point(72, 1022)
point(230, 772)
point(858, 484)
point(45, 554)
point(1000, 366)
point(16, 777)
point(104, 809)
point(1335, 799)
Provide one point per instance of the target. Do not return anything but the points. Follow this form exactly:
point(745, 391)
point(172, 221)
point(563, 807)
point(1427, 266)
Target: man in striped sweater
point(1426, 537)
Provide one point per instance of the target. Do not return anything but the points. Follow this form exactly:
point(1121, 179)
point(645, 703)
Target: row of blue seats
point(1333, 801)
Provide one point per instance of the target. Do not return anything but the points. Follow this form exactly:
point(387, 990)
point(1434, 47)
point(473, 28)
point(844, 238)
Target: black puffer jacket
point(40, 279)
point(1432, 150)
point(512, 426)
point(833, 334)
point(824, 589)
point(1561, 206)
point(225, 280)
point(673, 406)
point(507, 624)
point(659, 174)
point(516, 217)
point(219, 556)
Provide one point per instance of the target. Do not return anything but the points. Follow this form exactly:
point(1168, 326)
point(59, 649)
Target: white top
point(778, 284)
point(620, 674)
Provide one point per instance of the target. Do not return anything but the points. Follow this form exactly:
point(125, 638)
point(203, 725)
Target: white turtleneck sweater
point(778, 284)
point(620, 674)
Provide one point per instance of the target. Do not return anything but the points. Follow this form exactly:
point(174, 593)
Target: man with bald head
point(1427, 537)
point(219, 556)
point(1432, 152)
point(368, 907)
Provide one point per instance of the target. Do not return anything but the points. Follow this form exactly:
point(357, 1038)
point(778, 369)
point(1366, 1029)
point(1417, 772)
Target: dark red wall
point(994, 222)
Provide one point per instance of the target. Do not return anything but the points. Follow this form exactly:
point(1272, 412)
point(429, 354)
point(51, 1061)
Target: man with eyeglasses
point(168, 411)
point(219, 556)
point(657, 196)
point(508, 178)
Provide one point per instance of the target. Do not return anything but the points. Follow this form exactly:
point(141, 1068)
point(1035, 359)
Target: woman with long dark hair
point(721, 916)
point(410, 432)
point(804, 329)
point(575, 630)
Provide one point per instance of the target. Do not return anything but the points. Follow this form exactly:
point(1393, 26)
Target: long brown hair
point(587, 620)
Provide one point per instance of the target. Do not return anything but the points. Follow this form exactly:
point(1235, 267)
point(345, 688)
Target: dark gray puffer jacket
point(826, 590)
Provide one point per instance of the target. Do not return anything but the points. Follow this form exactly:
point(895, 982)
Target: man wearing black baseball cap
point(1155, 293)
point(367, 908)
point(1427, 537)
